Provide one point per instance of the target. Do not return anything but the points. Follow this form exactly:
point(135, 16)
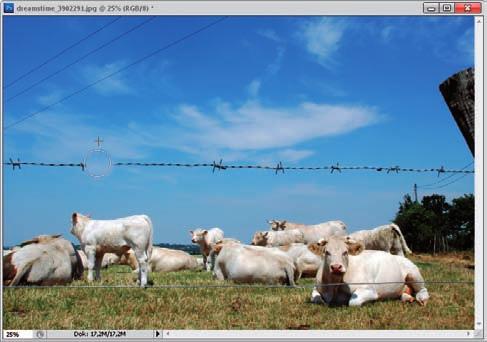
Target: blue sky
point(301, 90)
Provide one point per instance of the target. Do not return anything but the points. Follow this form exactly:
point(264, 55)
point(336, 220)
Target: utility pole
point(415, 193)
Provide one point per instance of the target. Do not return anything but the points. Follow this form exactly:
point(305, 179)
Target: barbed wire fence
point(242, 286)
point(279, 167)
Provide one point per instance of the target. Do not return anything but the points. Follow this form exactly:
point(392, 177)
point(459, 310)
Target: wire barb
point(279, 167)
point(218, 166)
point(395, 168)
point(15, 164)
point(441, 170)
point(336, 167)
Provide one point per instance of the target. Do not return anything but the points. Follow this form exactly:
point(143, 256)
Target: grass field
point(450, 306)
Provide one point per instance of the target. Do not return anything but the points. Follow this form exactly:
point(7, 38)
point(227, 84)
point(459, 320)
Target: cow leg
point(316, 297)
point(205, 262)
point(142, 259)
point(362, 295)
point(90, 255)
point(415, 280)
point(98, 262)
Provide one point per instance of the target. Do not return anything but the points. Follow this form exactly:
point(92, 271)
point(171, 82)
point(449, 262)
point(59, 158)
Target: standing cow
point(387, 238)
point(312, 233)
point(98, 237)
point(44, 260)
point(204, 238)
point(277, 238)
point(366, 275)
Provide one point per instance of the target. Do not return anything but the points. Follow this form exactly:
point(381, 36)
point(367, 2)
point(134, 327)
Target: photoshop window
point(246, 170)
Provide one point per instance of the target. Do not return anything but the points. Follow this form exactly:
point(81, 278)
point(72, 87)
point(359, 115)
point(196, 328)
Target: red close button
point(468, 7)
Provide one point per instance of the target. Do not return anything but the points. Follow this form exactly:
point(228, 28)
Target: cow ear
point(205, 232)
point(322, 242)
point(29, 242)
point(74, 218)
point(191, 232)
point(354, 247)
point(218, 248)
point(315, 248)
point(266, 234)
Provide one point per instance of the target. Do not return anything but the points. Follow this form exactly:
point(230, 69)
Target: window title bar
point(240, 8)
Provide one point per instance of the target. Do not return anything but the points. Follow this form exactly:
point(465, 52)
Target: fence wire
point(277, 168)
point(238, 286)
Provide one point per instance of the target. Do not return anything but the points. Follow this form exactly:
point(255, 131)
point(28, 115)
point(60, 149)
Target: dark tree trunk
point(459, 94)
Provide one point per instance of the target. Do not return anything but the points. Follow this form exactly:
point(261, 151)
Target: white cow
point(366, 275)
point(44, 260)
point(212, 255)
point(254, 264)
point(306, 261)
point(98, 237)
point(387, 238)
point(312, 233)
point(204, 238)
point(163, 260)
point(277, 238)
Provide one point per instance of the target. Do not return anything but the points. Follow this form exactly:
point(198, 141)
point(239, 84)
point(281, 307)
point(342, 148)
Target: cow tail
point(149, 248)
point(404, 246)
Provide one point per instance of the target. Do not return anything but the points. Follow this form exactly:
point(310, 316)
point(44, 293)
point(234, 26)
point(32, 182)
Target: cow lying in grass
point(306, 261)
point(212, 255)
point(312, 233)
point(367, 275)
point(387, 238)
point(98, 237)
point(277, 238)
point(44, 260)
point(163, 260)
point(253, 264)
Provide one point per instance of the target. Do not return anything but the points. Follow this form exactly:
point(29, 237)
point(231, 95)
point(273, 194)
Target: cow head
point(260, 239)
point(198, 235)
point(78, 222)
point(277, 225)
point(335, 252)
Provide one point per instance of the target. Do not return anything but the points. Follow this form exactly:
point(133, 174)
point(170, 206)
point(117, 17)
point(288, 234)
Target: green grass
point(450, 306)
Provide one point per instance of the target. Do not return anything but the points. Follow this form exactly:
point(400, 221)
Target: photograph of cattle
point(366, 222)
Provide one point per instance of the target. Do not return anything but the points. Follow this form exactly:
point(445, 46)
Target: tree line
point(434, 225)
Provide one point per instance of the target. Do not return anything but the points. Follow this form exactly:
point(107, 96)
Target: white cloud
point(275, 66)
point(50, 98)
point(247, 132)
point(254, 87)
point(322, 38)
point(252, 128)
point(113, 85)
point(386, 33)
point(294, 155)
point(270, 34)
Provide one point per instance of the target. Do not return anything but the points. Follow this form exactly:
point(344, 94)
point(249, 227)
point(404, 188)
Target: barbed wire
point(277, 168)
point(238, 286)
point(436, 184)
